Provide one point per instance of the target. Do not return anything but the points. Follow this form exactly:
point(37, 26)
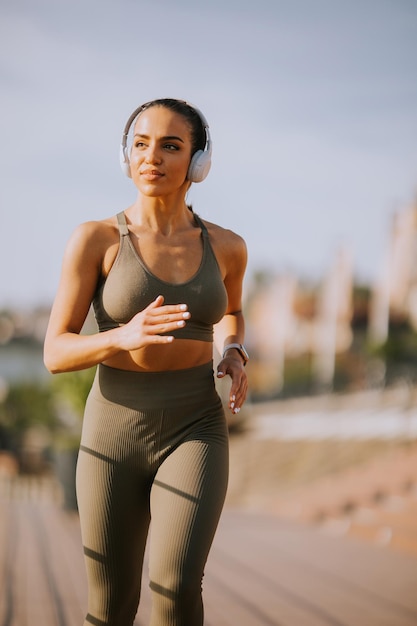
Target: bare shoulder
point(92, 240)
point(97, 230)
point(226, 243)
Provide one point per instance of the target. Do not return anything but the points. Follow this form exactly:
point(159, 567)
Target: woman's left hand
point(233, 366)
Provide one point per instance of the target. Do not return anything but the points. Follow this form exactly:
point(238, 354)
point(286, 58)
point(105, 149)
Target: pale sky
point(312, 106)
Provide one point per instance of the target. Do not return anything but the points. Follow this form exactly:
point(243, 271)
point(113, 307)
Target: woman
point(154, 441)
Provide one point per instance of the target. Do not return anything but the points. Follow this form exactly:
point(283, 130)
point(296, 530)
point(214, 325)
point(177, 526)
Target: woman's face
point(161, 152)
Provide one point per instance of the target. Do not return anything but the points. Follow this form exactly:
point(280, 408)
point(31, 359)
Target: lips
point(151, 174)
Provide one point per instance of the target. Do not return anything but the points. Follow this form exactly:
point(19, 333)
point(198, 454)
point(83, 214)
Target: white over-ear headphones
point(200, 162)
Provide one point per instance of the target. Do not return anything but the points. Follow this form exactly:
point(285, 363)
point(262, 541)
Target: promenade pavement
point(262, 571)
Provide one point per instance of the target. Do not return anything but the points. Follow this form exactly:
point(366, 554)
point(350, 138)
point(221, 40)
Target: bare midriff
point(180, 354)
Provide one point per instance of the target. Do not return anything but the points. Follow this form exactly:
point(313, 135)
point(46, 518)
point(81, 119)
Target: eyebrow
point(167, 138)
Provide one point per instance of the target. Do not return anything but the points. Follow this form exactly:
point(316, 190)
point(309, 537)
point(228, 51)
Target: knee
point(181, 600)
point(112, 617)
point(112, 606)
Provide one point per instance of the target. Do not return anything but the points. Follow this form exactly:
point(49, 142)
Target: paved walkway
point(261, 572)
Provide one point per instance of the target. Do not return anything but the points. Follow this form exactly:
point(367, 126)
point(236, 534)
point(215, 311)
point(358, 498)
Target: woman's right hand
point(147, 326)
point(66, 348)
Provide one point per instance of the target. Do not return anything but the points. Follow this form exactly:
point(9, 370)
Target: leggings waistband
point(154, 389)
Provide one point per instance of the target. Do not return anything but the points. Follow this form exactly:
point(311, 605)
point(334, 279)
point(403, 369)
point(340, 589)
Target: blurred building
point(288, 320)
point(394, 296)
point(333, 331)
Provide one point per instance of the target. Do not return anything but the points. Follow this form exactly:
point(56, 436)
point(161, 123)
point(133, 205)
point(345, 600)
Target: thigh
point(187, 498)
point(114, 519)
point(114, 509)
point(113, 499)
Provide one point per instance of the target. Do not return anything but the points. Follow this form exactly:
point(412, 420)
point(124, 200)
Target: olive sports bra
point(130, 287)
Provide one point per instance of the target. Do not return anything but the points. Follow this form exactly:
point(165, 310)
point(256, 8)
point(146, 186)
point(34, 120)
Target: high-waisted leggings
point(154, 447)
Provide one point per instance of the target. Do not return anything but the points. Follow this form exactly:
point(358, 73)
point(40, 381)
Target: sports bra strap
point(201, 225)
point(121, 220)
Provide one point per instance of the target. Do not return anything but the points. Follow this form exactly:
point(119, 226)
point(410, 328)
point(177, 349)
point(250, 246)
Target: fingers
point(161, 318)
point(239, 386)
point(157, 308)
point(152, 325)
point(169, 316)
point(238, 396)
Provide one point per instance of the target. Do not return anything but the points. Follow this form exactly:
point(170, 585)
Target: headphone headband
point(200, 161)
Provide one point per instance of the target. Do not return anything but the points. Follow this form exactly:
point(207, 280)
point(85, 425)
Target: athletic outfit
point(154, 445)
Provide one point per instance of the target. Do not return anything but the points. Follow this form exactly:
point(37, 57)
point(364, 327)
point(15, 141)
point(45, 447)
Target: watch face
point(244, 353)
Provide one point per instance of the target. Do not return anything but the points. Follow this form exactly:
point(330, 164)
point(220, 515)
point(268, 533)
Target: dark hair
point(197, 126)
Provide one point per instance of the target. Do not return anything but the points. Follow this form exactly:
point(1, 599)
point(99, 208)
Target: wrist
point(117, 340)
point(239, 348)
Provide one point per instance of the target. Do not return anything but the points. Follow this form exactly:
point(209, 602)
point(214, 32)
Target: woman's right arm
point(65, 349)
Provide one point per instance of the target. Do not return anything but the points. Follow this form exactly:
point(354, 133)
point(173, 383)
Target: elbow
point(53, 370)
point(51, 361)
point(50, 365)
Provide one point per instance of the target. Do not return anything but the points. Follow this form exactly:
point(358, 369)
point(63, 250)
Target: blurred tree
point(73, 388)
point(70, 391)
point(25, 406)
point(399, 353)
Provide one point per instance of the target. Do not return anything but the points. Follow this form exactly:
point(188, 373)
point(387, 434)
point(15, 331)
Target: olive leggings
point(154, 445)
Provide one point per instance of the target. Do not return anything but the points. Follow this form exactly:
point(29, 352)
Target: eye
point(171, 146)
point(139, 144)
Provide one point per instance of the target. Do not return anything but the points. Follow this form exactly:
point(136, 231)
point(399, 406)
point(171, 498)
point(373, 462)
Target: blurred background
point(313, 114)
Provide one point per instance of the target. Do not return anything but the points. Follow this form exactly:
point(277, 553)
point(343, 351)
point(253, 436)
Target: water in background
point(22, 362)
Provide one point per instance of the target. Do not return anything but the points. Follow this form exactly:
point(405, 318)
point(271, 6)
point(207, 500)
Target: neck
point(161, 214)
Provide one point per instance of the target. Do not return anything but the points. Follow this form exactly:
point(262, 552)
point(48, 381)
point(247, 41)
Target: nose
point(152, 154)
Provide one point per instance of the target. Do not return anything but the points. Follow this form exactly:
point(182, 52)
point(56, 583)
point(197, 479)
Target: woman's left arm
point(231, 329)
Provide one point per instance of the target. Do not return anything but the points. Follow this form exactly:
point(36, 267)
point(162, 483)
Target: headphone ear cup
point(199, 166)
point(124, 161)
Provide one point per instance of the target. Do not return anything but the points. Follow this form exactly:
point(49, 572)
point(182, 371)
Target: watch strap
point(240, 348)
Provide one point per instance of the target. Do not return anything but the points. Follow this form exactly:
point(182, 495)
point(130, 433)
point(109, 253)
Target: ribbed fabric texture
point(153, 445)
